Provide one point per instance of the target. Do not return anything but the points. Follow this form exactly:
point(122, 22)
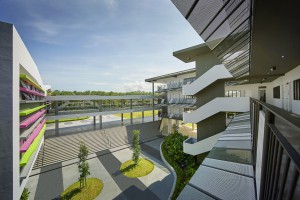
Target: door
point(262, 94)
point(287, 96)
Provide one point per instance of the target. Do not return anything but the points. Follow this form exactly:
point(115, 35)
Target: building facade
point(22, 114)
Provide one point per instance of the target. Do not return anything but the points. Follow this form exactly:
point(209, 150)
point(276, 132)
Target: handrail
point(31, 119)
point(25, 158)
point(26, 90)
point(281, 133)
point(288, 117)
point(24, 147)
point(29, 80)
point(30, 110)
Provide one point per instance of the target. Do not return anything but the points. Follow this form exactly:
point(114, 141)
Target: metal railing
point(175, 85)
point(280, 154)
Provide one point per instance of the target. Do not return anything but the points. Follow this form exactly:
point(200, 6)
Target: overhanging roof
point(175, 74)
point(189, 54)
point(249, 37)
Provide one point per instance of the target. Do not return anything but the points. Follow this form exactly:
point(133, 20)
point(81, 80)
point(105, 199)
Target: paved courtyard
point(49, 182)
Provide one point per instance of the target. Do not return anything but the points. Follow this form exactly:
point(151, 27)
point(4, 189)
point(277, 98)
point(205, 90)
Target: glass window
point(276, 92)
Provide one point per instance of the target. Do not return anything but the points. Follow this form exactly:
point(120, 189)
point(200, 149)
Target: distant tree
point(83, 165)
point(136, 146)
point(25, 194)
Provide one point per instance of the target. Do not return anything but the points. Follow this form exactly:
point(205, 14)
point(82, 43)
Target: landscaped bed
point(184, 165)
point(90, 191)
point(138, 114)
point(67, 120)
point(143, 168)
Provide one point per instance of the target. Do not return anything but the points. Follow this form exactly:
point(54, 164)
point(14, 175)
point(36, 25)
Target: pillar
point(56, 121)
point(100, 120)
point(143, 116)
point(131, 120)
point(153, 101)
point(9, 117)
point(94, 120)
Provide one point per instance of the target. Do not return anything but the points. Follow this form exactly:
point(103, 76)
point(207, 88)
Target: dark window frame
point(276, 92)
point(296, 89)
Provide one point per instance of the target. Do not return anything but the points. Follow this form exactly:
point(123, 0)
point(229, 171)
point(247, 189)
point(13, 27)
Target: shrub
point(184, 165)
point(25, 194)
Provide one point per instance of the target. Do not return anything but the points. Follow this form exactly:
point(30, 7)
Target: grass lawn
point(143, 168)
point(147, 113)
point(67, 120)
point(190, 125)
point(90, 191)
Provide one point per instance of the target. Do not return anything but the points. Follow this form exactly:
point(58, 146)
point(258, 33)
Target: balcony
point(175, 85)
point(180, 102)
point(258, 150)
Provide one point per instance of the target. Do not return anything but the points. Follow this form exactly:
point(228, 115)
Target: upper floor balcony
point(175, 85)
point(181, 102)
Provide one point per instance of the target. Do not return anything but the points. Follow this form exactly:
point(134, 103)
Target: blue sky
point(109, 45)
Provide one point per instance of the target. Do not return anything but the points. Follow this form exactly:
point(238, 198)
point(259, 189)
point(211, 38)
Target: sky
point(107, 45)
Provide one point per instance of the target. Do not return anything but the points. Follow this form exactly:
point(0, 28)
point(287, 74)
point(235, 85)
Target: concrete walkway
point(49, 182)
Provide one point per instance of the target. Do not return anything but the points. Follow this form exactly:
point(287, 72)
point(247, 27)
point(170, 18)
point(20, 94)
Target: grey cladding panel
point(190, 193)
point(234, 144)
point(183, 6)
point(232, 155)
point(224, 185)
point(230, 166)
point(203, 13)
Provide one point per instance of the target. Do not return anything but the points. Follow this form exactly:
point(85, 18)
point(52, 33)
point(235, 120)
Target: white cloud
point(106, 74)
point(111, 3)
point(98, 83)
point(136, 86)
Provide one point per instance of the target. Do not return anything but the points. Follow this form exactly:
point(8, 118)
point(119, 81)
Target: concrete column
point(9, 116)
point(153, 101)
point(170, 126)
point(100, 120)
point(94, 120)
point(131, 120)
point(56, 121)
point(100, 106)
point(122, 117)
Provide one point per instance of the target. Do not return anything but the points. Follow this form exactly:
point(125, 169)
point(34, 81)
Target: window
point(276, 92)
point(297, 89)
point(233, 93)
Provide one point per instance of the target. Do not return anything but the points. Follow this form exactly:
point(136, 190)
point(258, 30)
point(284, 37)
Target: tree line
point(100, 93)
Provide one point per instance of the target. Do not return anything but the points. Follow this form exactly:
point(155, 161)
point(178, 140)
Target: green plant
point(25, 194)
point(136, 146)
point(184, 165)
point(83, 165)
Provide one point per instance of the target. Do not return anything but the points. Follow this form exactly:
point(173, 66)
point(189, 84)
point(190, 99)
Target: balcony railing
point(175, 85)
point(182, 102)
point(280, 158)
point(171, 116)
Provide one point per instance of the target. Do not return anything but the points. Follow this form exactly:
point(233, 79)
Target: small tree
point(83, 165)
point(136, 146)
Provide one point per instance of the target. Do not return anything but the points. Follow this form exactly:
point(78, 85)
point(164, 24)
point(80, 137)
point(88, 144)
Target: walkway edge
point(170, 169)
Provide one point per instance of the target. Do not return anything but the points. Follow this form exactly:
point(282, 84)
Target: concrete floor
point(48, 183)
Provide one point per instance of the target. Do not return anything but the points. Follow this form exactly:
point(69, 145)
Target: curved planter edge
point(170, 168)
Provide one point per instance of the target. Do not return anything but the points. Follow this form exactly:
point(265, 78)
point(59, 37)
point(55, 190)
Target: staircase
point(215, 73)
